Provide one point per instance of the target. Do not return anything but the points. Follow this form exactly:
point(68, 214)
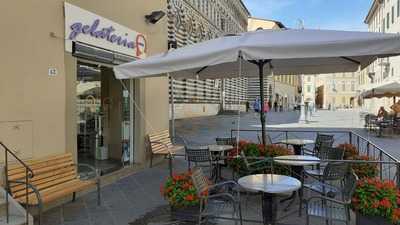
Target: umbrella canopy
point(389, 89)
point(285, 51)
point(290, 51)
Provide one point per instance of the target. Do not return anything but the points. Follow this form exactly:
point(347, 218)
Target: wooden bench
point(54, 178)
point(161, 144)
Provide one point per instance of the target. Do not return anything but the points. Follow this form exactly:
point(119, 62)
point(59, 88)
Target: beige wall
point(40, 106)
point(255, 23)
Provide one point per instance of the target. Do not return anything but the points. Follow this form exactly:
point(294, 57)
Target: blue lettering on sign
point(105, 33)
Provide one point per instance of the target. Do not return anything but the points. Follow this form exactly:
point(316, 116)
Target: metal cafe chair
point(268, 139)
point(320, 140)
point(258, 166)
point(221, 197)
point(334, 173)
point(200, 156)
point(325, 153)
point(332, 209)
point(226, 141)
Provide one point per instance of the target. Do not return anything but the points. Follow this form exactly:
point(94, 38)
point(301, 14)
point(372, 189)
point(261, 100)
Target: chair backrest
point(198, 153)
point(226, 141)
point(268, 139)
point(350, 184)
point(159, 141)
point(323, 140)
point(330, 153)
point(48, 172)
point(335, 171)
point(246, 162)
point(200, 181)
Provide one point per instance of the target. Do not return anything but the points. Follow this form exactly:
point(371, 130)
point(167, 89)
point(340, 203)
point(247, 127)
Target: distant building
point(383, 17)
point(331, 91)
point(282, 89)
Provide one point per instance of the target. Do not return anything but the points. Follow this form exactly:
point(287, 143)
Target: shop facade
point(58, 87)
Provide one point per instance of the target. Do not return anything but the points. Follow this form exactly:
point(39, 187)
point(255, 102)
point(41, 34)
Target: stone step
point(3, 206)
point(13, 220)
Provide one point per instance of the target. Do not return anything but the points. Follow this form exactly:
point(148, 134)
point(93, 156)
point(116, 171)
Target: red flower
point(396, 215)
point(385, 203)
point(190, 198)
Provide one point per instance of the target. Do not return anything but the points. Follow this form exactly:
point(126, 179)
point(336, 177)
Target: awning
point(388, 89)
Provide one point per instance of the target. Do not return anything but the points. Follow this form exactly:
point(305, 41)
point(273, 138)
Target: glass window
point(392, 14)
point(392, 71)
point(343, 86)
point(309, 88)
point(387, 20)
point(353, 86)
point(383, 25)
point(398, 8)
point(309, 78)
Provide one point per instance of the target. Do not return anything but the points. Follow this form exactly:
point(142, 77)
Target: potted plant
point(376, 202)
point(182, 196)
point(363, 170)
point(256, 150)
point(349, 150)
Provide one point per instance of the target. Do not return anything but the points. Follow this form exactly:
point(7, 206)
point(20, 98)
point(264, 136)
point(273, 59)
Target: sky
point(315, 14)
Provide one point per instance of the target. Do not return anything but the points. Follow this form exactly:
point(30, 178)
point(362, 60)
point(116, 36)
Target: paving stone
point(132, 197)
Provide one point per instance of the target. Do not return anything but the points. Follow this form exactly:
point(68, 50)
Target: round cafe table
point(297, 144)
point(271, 185)
point(217, 151)
point(297, 163)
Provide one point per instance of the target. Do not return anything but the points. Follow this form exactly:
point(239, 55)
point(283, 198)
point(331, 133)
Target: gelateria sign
point(88, 28)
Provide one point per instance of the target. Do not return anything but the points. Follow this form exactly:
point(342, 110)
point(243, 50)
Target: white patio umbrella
point(285, 51)
point(388, 89)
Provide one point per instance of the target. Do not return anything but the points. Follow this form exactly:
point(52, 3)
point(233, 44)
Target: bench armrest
point(30, 186)
point(92, 170)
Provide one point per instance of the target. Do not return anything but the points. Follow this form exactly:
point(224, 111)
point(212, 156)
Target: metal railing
point(28, 174)
point(388, 165)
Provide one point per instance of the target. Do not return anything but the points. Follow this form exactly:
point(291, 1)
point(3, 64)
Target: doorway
point(103, 118)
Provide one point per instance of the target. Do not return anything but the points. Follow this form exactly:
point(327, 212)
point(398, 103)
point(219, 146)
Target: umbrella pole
point(261, 64)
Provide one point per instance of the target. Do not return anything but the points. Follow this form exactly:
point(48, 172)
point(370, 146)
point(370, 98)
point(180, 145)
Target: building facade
point(59, 90)
point(331, 91)
point(194, 21)
point(282, 89)
point(383, 17)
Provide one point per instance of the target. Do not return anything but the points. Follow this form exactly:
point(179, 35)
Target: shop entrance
point(103, 118)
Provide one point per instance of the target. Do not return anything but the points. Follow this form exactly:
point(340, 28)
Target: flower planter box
point(189, 214)
point(371, 220)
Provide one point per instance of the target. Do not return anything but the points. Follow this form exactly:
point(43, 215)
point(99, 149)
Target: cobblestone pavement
point(138, 195)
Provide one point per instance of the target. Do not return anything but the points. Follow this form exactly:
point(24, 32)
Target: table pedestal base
point(269, 208)
point(297, 172)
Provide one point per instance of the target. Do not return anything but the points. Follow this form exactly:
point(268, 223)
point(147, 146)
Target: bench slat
point(58, 191)
point(38, 183)
point(41, 170)
point(42, 187)
point(39, 165)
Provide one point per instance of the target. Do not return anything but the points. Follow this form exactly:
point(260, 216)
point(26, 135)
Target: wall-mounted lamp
point(154, 17)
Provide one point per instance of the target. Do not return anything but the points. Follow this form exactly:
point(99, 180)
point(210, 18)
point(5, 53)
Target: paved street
point(205, 129)
point(136, 199)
